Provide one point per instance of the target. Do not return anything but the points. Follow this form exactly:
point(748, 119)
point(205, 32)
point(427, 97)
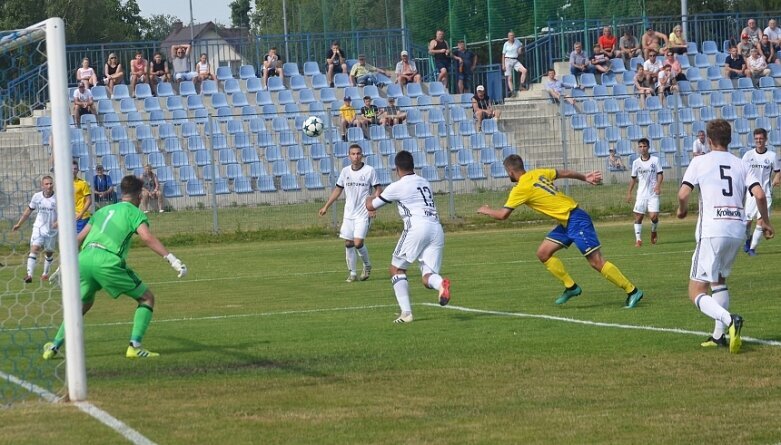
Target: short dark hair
point(514, 162)
point(75, 163)
point(404, 161)
point(761, 131)
point(358, 146)
point(720, 132)
point(644, 141)
point(131, 185)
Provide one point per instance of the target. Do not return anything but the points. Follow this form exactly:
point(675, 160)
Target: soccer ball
point(313, 126)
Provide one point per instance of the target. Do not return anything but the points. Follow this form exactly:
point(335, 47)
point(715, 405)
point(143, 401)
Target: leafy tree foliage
point(240, 10)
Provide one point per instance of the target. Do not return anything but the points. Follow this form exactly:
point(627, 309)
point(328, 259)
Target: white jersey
point(645, 172)
point(699, 148)
point(723, 180)
point(47, 214)
point(357, 185)
point(763, 165)
point(414, 198)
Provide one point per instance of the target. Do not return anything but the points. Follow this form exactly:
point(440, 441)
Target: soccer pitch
point(266, 343)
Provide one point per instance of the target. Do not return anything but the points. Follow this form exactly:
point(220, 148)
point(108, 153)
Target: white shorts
point(752, 212)
point(423, 243)
point(48, 242)
point(185, 76)
point(650, 205)
point(510, 65)
point(355, 228)
point(713, 258)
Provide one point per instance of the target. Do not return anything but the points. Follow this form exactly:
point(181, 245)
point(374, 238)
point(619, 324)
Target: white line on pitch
point(598, 323)
point(101, 416)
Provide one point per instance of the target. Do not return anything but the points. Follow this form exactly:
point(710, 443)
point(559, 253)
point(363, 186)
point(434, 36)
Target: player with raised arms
point(537, 190)
point(723, 180)
point(763, 163)
point(422, 240)
point(44, 234)
point(647, 174)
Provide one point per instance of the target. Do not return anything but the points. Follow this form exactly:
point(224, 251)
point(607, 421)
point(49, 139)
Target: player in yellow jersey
point(536, 189)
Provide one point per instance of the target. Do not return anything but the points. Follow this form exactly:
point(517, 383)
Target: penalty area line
point(599, 323)
point(98, 414)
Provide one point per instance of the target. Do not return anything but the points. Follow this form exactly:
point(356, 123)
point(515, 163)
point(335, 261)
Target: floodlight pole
point(63, 174)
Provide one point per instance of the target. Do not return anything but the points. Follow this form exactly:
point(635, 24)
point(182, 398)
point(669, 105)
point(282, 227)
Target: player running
point(422, 239)
point(761, 161)
point(44, 234)
point(647, 173)
point(105, 242)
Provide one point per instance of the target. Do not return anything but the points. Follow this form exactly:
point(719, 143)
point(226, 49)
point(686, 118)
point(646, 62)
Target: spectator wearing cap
point(677, 42)
point(336, 61)
point(363, 73)
point(734, 64)
point(392, 114)
point(349, 117)
point(745, 45)
point(651, 41)
point(113, 74)
point(467, 62)
point(371, 113)
point(753, 32)
point(614, 161)
point(406, 70)
point(103, 188)
point(483, 107)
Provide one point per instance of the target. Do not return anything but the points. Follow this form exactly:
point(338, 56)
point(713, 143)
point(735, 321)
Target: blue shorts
point(580, 230)
point(442, 64)
point(80, 223)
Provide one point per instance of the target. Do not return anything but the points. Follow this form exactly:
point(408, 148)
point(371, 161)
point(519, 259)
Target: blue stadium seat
point(179, 159)
point(165, 89)
point(611, 106)
point(623, 120)
point(728, 112)
point(617, 65)
point(319, 81)
point(624, 148)
point(99, 93)
point(285, 97)
point(231, 86)
point(120, 92)
point(435, 89)
point(701, 61)
point(629, 78)
point(266, 184)
point(143, 90)
point(246, 72)
point(454, 173)
point(612, 134)
point(696, 100)
point(693, 74)
point(166, 131)
point(601, 149)
point(474, 171)
point(497, 170)
point(304, 166)
point(233, 171)
point(569, 81)
point(590, 135)
point(165, 174)
point(608, 80)
point(171, 189)
point(683, 59)
point(588, 80)
point(601, 120)
point(710, 47)
point(750, 111)
point(742, 126)
point(378, 133)
point(634, 133)
point(221, 186)
point(579, 122)
point(223, 73)
point(764, 122)
point(430, 173)
point(655, 132)
point(254, 85)
point(289, 182)
point(414, 90)
point(653, 103)
point(297, 82)
point(665, 117)
point(342, 80)
point(187, 88)
point(311, 69)
point(714, 73)
point(399, 131)
point(634, 62)
point(772, 110)
point(631, 105)
point(132, 161)
point(195, 188)
point(172, 145)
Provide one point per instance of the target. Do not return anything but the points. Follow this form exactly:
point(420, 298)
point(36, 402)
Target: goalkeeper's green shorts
point(100, 269)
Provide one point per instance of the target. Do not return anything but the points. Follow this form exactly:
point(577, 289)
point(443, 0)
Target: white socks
point(350, 256)
point(32, 260)
point(708, 306)
point(363, 252)
point(434, 281)
point(720, 294)
point(401, 289)
point(638, 231)
point(654, 225)
point(47, 264)
point(756, 237)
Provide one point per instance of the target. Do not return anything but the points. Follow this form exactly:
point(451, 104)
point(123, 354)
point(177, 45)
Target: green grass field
point(264, 342)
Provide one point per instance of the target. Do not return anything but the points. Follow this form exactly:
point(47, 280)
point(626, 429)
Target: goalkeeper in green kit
point(105, 242)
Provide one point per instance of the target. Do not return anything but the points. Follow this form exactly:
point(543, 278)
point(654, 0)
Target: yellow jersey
point(347, 112)
point(537, 190)
point(81, 191)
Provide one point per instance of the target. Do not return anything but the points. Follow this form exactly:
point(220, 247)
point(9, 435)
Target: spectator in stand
point(83, 102)
point(652, 66)
point(757, 66)
point(554, 89)
point(599, 60)
point(86, 73)
point(406, 71)
point(511, 51)
point(103, 188)
point(483, 107)
point(180, 56)
point(272, 66)
point(139, 67)
point(608, 43)
point(753, 31)
point(113, 74)
point(466, 61)
point(700, 145)
point(745, 46)
point(614, 161)
point(735, 64)
point(158, 72)
point(677, 42)
point(642, 85)
point(392, 114)
point(151, 189)
point(773, 33)
point(628, 45)
point(371, 113)
point(439, 48)
point(578, 61)
point(203, 70)
point(336, 61)
point(349, 118)
point(664, 83)
point(675, 66)
point(651, 40)
point(363, 73)
point(768, 51)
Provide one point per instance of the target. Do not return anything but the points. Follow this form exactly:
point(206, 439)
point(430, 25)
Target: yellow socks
point(556, 268)
point(614, 275)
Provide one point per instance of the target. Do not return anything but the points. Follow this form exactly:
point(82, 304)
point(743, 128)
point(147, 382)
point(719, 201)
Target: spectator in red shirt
point(608, 42)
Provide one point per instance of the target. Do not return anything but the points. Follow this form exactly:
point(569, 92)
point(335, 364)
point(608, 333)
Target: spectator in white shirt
point(757, 65)
point(700, 145)
point(773, 33)
point(652, 66)
point(83, 103)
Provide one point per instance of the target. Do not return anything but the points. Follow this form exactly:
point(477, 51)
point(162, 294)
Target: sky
point(203, 10)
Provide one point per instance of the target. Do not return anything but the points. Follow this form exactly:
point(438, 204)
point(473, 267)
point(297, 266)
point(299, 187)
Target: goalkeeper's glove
point(177, 264)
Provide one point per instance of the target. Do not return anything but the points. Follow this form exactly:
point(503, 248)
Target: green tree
point(240, 13)
point(158, 27)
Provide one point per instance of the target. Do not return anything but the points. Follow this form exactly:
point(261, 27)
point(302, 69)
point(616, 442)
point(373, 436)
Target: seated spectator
point(113, 74)
point(628, 46)
point(753, 32)
point(614, 161)
point(745, 46)
point(553, 88)
point(466, 61)
point(642, 84)
point(392, 114)
point(83, 102)
point(773, 33)
point(406, 71)
point(700, 145)
point(757, 66)
point(608, 43)
point(677, 42)
point(483, 107)
point(180, 56)
point(768, 50)
point(578, 61)
point(86, 73)
point(371, 113)
point(734, 64)
point(349, 118)
point(651, 40)
point(158, 72)
point(600, 61)
point(203, 70)
point(675, 66)
point(664, 83)
point(652, 66)
point(103, 188)
point(139, 68)
point(272, 66)
point(336, 61)
point(364, 74)
point(151, 189)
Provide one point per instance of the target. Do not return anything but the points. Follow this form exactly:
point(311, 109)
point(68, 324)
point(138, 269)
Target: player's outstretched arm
point(500, 213)
point(593, 177)
point(156, 246)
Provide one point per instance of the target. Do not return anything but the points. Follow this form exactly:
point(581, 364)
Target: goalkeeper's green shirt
point(113, 226)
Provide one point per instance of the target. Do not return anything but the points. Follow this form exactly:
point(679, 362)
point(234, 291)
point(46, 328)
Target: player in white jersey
point(647, 173)
point(44, 234)
point(723, 180)
point(357, 180)
point(761, 161)
point(422, 239)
